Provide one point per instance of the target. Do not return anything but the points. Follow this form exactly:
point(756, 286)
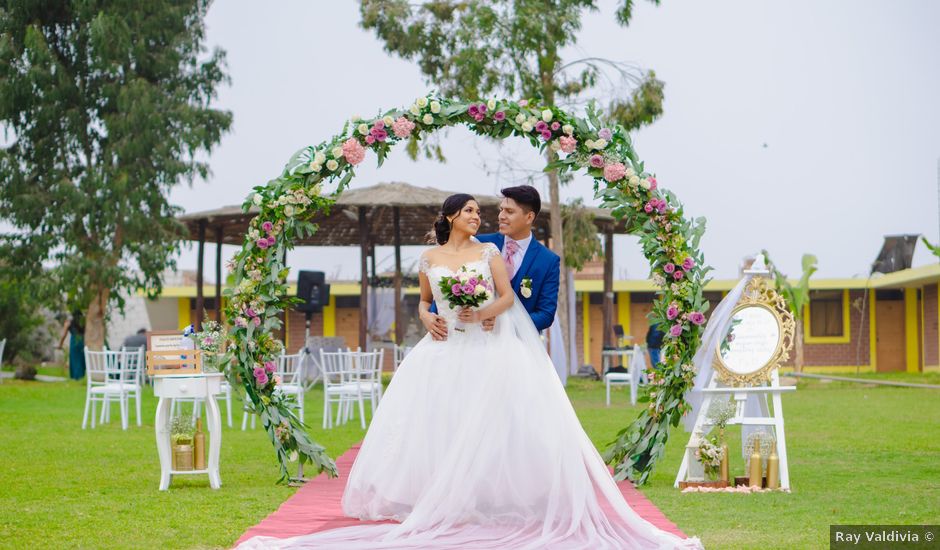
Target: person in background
point(74, 327)
point(654, 343)
point(138, 340)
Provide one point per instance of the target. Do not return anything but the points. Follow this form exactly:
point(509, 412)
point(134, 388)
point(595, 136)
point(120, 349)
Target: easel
point(740, 395)
point(758, 383)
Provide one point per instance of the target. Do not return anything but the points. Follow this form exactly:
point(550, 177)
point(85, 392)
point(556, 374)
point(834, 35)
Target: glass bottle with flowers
point(211, 341)
point(720, 412)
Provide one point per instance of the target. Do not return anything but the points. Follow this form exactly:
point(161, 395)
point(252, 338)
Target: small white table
point(202, 386)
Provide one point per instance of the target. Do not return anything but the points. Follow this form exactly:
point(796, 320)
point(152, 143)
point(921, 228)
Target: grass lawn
point(858, 454)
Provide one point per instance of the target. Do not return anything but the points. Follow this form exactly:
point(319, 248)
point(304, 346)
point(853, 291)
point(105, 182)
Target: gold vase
point(199, 447)
point(724, 456)
point(754, 470)
point(182, 457)
point(773, 468)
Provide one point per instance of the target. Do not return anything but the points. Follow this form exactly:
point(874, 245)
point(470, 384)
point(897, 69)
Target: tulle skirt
point(475, 445)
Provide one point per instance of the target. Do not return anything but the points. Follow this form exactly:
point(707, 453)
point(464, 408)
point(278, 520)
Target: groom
point(533, 269)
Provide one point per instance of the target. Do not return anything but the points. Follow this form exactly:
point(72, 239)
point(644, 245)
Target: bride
point(475, 444)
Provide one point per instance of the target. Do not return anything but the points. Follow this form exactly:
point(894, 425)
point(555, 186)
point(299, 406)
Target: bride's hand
point(468, 315)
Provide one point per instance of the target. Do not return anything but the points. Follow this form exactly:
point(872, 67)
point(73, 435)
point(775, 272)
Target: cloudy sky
point(798, 126)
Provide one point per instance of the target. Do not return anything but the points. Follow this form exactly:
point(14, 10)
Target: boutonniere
point(525, 288)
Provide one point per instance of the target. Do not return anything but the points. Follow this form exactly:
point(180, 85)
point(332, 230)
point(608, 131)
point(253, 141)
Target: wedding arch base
point(315, 176)
point(750, 384)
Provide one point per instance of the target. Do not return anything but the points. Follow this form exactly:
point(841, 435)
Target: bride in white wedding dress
point(475, 444)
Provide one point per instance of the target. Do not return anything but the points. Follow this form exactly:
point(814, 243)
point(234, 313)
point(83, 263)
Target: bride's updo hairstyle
point(452, 205)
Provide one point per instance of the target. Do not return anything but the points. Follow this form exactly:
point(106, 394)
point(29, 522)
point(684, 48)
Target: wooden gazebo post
point(363, 278)
point(200, 300)
point(608, 287)
point(399, 328)
point(218, 273)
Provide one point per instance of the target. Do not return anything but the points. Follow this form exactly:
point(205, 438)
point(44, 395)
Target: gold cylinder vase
point(183, 457)
point(755, 479)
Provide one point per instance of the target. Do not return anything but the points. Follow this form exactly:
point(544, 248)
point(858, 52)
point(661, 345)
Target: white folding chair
point(365, 383)
point(629, 378)
point(107, 379)
point(290, 369)
point(337, 371)
point(400, 353)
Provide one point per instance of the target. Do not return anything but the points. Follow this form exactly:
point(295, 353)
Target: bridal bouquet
point(467, 288)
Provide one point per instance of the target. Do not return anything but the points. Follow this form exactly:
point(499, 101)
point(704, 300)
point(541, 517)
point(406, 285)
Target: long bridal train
point(476, 445)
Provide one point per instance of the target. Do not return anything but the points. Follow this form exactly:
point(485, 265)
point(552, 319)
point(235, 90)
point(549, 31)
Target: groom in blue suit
point(533, 268)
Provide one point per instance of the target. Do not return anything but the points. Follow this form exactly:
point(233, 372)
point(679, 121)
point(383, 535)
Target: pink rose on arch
point(541, 127)
point(615, 171)
point(653, 184)
point(678, 275)
point(269, 367)
point(555, 126)
point(261, 380)
point(675, 330)
point(648, 208)
point(370, 139)
point(688, 263)
point(568, 144)
point(473, 110)
point(661, 206)
point(456, 290)
point(354, 152)
point(499, 116)
point(669, 267)
point(597, 161)
point(250, 312)
point(258, 372)
point(696, 317)
point(523, 102)
point(672, 312)
point(379, 124)
point(403, 127)
point(546, 135)
point(256, 321)
point(379, 134)
point(262, 243)
point(605, 134)
point(267, 227)
point(271, 240)
point(241, 322)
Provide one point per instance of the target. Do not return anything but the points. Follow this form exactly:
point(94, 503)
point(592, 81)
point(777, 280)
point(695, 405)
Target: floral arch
point(669, 241)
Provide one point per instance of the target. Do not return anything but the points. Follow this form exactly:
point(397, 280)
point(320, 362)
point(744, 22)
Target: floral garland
point(669, 241)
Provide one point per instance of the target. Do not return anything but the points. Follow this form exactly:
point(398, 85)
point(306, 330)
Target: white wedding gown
point(475, 445)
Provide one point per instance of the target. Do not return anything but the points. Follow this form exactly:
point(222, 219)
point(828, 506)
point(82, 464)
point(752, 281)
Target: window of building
point(827, 318)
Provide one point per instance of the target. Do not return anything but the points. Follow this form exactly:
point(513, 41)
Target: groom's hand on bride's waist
point(488, 324)
point(435, 325)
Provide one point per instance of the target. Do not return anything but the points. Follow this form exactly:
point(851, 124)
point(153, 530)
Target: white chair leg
point(607, 383)
point(124, 407)
point(228, 407)
point(244, 420)
point(137, 399)
point(94, 413)
point(87, 409)
point(362, 412)
point(326, 411)
point(105, 412)
point(300, 398)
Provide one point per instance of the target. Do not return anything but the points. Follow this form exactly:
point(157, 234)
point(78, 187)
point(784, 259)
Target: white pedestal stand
point(773, 419)
point(201, 386)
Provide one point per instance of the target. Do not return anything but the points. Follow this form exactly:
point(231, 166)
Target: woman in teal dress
point(75, 328)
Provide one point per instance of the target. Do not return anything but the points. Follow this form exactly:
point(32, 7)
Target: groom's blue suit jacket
point(542, 266)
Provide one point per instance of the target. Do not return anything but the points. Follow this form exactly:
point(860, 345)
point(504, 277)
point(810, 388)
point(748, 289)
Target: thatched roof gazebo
point(388, 214)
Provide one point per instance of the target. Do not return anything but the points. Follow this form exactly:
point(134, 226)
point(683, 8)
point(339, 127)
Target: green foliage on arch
point(621, 183)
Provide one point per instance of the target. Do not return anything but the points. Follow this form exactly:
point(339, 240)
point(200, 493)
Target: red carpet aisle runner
point(316, 507)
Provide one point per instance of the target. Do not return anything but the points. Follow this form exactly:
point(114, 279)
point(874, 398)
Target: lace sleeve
point(489, 251)
point(423, 263)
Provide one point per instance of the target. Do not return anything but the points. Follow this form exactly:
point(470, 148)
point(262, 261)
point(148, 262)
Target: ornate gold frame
point(760, 293)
